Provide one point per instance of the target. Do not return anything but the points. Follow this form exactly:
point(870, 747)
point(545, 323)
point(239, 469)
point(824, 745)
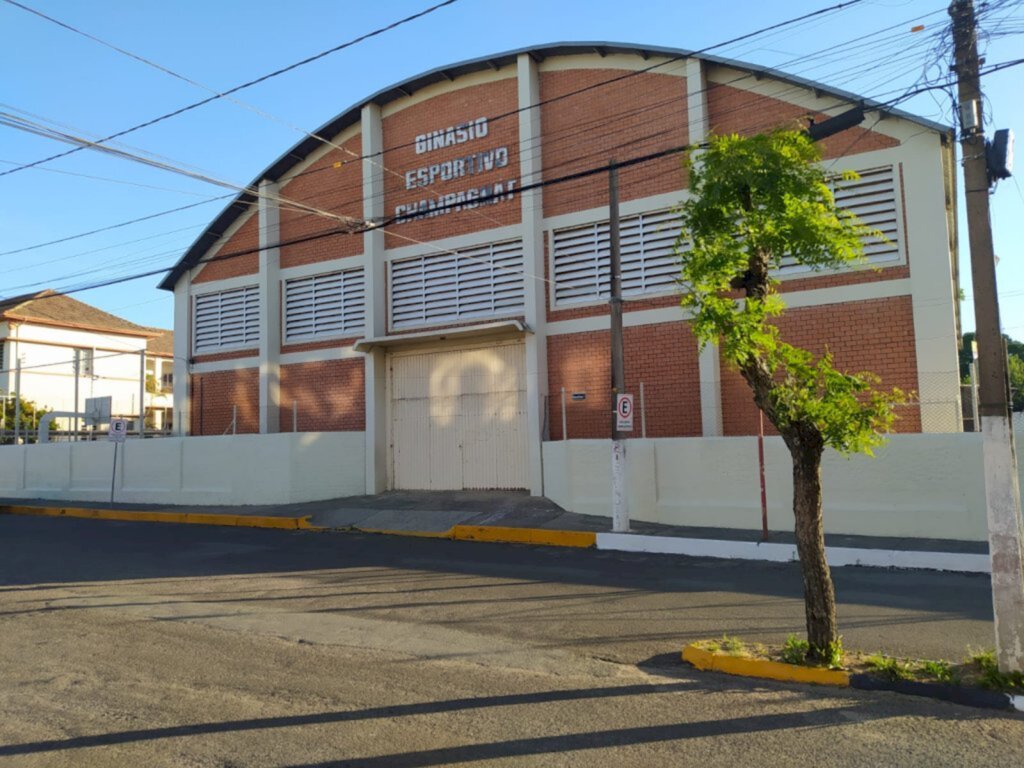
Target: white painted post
point(565, 435)
point(620, 501)
point(78, 369)
point(142, 394)
point(643, 413)
point(17, 396)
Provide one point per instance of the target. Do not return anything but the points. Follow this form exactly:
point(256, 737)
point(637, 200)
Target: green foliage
point(832, 654)
point(795, 649)
point(941, 671)
point(889, 668)
point(1015, 363)
point(990, 676)
point(1016, 367)
point(754, 202)
point(726, 644)
point(30, 415)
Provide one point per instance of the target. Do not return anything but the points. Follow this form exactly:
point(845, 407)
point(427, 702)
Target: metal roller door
point(458, 418)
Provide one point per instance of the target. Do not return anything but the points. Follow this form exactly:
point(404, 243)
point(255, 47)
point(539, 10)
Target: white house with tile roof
point(70, 351)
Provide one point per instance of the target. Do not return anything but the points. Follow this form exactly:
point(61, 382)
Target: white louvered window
point(874, 200)
point(483, 281)
point(227, 320)
point(324, 305)
point(647, 246)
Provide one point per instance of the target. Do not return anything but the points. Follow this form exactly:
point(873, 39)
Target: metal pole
point(760, 462)
point(142, 394)
point(17, 397)
point(113, 474)
point(565, 435)
point(643, 413)
point(234, 419)
point(1002, 493)
point(78, 368)
point(976, 420)
point(620, 498)
point(295, 415)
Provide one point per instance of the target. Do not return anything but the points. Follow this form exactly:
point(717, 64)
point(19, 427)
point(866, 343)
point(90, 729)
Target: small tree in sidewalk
point(755, 201)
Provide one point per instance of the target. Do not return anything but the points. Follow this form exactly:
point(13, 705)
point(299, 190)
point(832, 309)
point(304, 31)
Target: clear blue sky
point(58, 77)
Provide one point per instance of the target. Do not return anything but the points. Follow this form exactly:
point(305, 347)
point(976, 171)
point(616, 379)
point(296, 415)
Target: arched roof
point(298, 153)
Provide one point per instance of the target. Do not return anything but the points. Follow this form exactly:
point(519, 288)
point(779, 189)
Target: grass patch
point(979, 669)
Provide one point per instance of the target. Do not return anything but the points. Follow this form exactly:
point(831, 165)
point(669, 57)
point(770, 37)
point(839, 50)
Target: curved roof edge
point(300, 151)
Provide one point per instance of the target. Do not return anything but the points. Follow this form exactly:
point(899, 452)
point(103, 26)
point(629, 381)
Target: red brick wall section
point(732, 110)
point(214, 395)
point(330, 395)
point(662, 356)
point(875, 335)
point(633, 117)
point(337, 190)
point(451, 109)
point(224, 265)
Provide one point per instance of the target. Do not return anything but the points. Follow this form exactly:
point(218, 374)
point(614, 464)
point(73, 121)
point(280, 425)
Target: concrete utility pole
point(1002, 493)
point(620, 501)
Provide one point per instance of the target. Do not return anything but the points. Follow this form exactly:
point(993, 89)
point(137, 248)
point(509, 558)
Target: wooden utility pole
point(620, 501)
point(1002, 493)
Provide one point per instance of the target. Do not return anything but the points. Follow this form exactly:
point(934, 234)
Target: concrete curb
point(769, 670)
point(792, 673)
point(189, 518)
point(783, 553)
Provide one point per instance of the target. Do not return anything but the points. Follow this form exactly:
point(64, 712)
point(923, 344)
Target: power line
point(237, 88)
point(115, 226)
point(548, 138)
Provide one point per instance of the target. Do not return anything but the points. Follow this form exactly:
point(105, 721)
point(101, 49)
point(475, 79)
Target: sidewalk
point(438, 513)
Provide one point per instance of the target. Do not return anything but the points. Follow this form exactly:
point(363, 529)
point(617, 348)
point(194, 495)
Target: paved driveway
point(143, 644)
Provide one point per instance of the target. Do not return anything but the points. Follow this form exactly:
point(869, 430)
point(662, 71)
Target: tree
point(1015, 364)
point(30, 416)
point(754, 201)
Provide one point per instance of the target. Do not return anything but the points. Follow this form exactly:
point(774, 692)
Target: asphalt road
point(128, 644)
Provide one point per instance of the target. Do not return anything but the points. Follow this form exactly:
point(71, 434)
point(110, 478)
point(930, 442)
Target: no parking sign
point(624, 413)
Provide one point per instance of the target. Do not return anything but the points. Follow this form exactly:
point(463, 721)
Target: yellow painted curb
point(191, 518)
point(524, 535)
point(414, 534)
point(770, 670)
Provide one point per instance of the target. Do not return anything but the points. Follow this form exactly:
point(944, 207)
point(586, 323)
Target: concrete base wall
point(918, 485)
point(232, 469)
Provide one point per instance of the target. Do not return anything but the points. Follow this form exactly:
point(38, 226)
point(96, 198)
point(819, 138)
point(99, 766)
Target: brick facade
point(634, 116)
point(499, 98)
point(875, 335)
point(214, 395)
point(329, 396)
point(663, 357)
point(223, 265)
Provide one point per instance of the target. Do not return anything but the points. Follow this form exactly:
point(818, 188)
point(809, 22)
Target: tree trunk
point(819, 595)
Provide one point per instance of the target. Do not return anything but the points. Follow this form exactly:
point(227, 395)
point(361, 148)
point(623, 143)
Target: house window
point(647, 247)
point(227, 320)
point(324, 305)
point(483, 281)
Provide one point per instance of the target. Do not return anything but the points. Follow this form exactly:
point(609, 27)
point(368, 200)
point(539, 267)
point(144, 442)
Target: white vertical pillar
point(532, 209)
point(142, 393)
point(270, 308)
point(182, 353)
point(696, 101)
point(376, 296)
point(931, 284)
point(709, 369)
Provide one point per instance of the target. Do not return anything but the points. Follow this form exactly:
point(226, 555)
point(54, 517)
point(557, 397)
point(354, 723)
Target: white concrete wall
point(924, 485)
point(233, 469)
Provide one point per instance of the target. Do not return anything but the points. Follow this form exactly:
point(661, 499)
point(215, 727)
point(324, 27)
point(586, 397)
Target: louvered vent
point(646, 242)
point(873, 200)
point(227, 320)
point(474, 282)
point(324, 305)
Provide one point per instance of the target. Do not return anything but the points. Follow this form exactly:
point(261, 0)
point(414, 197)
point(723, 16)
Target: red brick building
point(409, 278)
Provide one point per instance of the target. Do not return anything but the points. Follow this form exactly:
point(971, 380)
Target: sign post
point(118, 432)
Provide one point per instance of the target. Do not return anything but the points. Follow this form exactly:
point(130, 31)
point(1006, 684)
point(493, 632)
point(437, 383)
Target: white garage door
point(458, 418)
